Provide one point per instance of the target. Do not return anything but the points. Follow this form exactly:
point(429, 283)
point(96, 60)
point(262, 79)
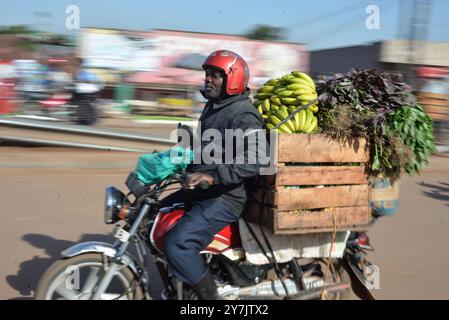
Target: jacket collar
point(228, 100)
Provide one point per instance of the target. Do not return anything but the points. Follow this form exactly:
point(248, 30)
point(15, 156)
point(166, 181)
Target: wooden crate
point(436, 105)
point(317, 178)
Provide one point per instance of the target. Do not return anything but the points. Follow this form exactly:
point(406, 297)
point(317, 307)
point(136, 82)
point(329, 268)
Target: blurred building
point(399, 56)
point(424, 65)
point(167, 64)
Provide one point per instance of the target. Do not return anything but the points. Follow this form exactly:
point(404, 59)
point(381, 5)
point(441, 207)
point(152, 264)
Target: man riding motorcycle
point(228, 107)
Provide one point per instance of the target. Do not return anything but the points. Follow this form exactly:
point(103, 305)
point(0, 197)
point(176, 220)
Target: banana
point(302, 119)
point(280, 97)
point(307, 97)
point(284, 129)
point(302, 81)
point(303, 103)
point(313, 108)
point(293, 86)
point(279, 89)
point(275, 121)
point(285, 93)
point(266, 89)
point(284, 111)
point(297, 86)
point(290, 125)
point(287, 77)
point(304, 90)
point(290, 101)
point(275, 100)
point(271, 82)
point(266, 105)
point(274, 107)
point(280, 114)
point(308, 120)
point(302, 75)
point(263, 96)
point(295, 118)
point(313, 125)
point(269, 125)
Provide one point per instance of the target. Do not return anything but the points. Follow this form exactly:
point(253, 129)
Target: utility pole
point(417, 37)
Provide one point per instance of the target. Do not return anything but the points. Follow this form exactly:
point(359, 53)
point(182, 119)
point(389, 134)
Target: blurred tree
point(19, 29)
point(265, 32)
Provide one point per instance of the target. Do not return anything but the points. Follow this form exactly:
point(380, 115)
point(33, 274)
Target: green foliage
point(265, 32)
point(414, 127)
point(377, 106)
point(19, 29)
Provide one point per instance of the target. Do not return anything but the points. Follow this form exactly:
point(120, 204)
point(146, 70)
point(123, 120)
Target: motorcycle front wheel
point(77, 278)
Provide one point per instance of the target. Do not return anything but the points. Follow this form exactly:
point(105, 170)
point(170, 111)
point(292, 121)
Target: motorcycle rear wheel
point(76, 279)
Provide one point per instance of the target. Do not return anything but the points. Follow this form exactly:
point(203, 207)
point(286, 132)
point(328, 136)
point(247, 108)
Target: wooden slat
point(323, 219)
point(438, 116)
point(429, 95)
point(319, 148)
point(355, 218)
point(433, 102)
point(314, 198)
point(437, 109)
point(302, 175)
point(363, 227)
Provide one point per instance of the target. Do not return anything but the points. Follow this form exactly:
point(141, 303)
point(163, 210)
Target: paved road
point(52, 198)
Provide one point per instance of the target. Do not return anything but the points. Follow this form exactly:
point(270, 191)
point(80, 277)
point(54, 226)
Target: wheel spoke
point(67, 293)
point(89, 285)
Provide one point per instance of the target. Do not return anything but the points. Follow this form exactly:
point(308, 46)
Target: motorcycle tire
point(63, 272)
point(86, 114)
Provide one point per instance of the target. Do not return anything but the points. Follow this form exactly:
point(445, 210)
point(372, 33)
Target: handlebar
point(182, 178)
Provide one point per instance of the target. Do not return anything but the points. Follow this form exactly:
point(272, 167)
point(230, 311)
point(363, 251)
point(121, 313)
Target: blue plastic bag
point(154, 167)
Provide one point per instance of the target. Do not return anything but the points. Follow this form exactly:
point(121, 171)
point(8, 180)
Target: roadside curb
point(193, 123)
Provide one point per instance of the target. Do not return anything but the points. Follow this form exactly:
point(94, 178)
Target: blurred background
point(80, 79)
point(145, 58)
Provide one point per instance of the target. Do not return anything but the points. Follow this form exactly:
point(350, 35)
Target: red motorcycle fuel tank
point(226, 239)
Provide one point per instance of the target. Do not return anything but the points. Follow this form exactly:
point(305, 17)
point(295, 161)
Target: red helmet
point(235, 68)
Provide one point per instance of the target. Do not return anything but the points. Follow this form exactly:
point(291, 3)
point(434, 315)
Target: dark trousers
point(193, 233)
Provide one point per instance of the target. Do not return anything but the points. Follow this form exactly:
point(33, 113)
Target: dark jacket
point(234, 112)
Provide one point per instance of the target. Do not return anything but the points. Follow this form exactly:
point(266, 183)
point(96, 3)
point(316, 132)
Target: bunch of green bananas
point(279, 97)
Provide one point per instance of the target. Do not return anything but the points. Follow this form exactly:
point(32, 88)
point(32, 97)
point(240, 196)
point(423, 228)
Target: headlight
point(113, 203)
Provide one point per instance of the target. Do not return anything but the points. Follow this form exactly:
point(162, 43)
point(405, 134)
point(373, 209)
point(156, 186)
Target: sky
point(319, 24)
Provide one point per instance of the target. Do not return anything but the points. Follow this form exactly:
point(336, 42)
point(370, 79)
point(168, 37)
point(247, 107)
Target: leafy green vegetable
point(377, 106)
point(414, 126)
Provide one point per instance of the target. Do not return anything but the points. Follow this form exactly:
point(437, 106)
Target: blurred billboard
point(166, 56)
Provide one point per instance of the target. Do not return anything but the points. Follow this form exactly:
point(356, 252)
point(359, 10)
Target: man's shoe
point(206, 288)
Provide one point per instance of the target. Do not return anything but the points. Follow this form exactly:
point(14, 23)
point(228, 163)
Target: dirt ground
point(51, 198)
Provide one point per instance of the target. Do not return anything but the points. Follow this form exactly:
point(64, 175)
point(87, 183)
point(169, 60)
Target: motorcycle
point(74, 103)
point(57, 105)
point(99, 270)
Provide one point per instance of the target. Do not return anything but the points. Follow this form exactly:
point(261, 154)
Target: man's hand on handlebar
point(201, 179)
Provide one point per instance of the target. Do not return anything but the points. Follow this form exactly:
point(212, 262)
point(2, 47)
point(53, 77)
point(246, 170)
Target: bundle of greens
point(413, 126)
point(377, 106)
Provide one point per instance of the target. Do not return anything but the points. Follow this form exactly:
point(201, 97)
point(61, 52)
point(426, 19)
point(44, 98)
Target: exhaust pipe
point(275, 290)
